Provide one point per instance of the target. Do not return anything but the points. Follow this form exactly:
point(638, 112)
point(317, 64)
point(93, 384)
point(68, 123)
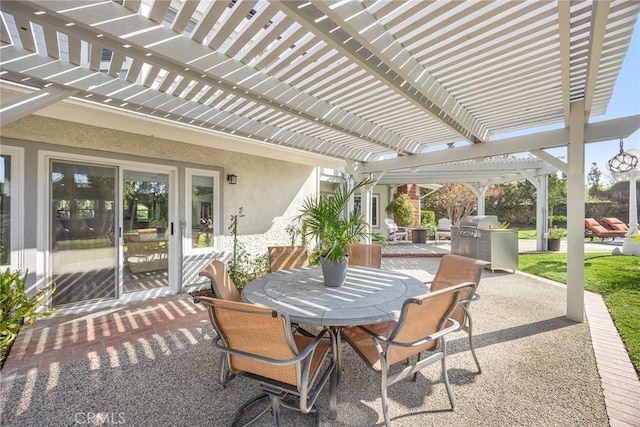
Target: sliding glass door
point(110, 231)
point(146, 230)
point(83, 240)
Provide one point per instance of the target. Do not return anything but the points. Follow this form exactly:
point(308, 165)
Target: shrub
point(428, 219)
point(15, 305)
point(556, 233)
point(245, 268)
point(558, 219)
point(401, 209)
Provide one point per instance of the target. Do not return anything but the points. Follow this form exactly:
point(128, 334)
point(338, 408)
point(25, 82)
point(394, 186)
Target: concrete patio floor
point(151, 363)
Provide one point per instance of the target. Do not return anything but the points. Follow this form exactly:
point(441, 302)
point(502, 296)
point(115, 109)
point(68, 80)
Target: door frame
point(43, 241)
point(173, 231)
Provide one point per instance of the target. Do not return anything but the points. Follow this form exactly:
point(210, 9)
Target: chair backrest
point(615, 224)
point(221, 284)
point(595, 226)
point(456, 269)
point(285, 257)
point(365, 255)
point(421, 317)
point(391, 224)
point(257, 331)
point(444, 224)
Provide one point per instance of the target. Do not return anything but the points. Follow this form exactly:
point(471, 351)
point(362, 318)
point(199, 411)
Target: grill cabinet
point(480, 237)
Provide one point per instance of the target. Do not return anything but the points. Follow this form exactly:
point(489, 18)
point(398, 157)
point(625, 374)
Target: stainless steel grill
point(481, 237)
point(470, 225)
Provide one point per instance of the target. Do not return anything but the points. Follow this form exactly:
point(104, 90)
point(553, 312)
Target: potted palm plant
point(334, 230)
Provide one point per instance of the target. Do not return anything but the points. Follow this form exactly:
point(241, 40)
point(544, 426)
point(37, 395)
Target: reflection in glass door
point(83, 255)
point(145, 238)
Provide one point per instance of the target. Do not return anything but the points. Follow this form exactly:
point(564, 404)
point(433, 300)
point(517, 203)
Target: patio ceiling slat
point(236, 16)
point(358, 78)
point(184, 14)
point(250, 33)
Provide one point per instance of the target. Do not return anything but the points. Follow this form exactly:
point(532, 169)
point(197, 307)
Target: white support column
point(366, 195)
point(629, 245)
point(481, 200)
point(541, 183)
point(480, 192)
point(575, 214)
point(542, 212)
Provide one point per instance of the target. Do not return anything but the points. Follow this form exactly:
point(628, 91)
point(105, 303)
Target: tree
point(557, 194)
point(594, 175)
point(454, 199)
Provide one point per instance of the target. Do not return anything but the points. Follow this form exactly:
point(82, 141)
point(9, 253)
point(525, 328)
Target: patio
point(151, 363)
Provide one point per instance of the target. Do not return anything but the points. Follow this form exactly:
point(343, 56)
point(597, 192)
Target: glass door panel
point(83, 254)
point(145, 238)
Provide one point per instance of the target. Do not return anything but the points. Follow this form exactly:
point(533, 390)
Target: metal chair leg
point(469, 330)
point(385, 405)
point(235, 421)
point(445, 375)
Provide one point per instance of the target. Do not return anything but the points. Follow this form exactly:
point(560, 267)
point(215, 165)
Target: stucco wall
point(270, 191)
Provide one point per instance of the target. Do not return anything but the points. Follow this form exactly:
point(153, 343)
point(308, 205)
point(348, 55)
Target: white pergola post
point(629, 245)
point(366, 196)
point(575, 214)
point(541, 183)
point(542, 212)
point(480, 192)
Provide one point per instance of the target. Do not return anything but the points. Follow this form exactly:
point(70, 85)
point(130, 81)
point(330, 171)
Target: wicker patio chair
point(285, 257)
point(453, 270)
point(258, 344)
point(424, 322)
point(223, 288)
point(365, 255)
point(221, 284)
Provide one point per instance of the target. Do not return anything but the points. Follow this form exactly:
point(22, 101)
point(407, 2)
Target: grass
point(526, 233)
point(615, 277)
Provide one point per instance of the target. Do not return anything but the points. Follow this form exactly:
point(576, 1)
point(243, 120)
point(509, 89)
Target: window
point(10, 218)
point(203, 212)
point(375, 198)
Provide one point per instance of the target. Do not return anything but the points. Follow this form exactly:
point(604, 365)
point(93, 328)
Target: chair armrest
point(474, 297)
point(384, 340)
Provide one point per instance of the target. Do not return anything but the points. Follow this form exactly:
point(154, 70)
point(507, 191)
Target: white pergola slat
point(357, 80)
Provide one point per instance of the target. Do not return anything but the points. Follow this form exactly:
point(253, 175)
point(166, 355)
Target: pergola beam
point(599, 19)
point(163, 48)
point(29, 104)
point(564, 37)
point(551, 159)
point(595, 132)
point(357, 35)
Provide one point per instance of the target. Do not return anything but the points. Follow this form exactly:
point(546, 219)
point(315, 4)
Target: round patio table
point(369, 295)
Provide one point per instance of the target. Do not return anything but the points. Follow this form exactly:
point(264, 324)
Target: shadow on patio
point(156, 367)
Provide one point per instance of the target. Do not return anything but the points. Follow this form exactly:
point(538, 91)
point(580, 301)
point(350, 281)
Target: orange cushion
point(615, 224)
point(590, 222)
point(619, 227)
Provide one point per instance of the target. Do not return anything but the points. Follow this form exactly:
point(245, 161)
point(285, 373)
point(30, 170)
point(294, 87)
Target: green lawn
point(615, 277)
point(526, 233)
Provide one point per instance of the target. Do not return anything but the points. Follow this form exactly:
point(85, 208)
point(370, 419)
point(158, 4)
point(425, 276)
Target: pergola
point(360, 82)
